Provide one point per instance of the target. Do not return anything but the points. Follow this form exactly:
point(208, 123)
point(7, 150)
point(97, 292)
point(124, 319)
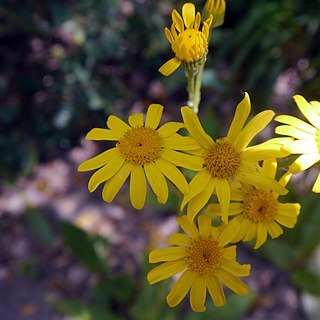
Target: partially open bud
point(217, 9)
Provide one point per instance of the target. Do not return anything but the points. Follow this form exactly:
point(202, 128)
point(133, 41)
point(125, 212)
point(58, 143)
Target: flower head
point(143, 152)
point(200, 254)
point(306, 136)
point(229, 161)
point(188, 42)
point(258, 210)
point(217, 9)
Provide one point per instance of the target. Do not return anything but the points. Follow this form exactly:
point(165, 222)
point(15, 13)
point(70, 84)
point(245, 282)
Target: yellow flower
point(205, 263)
point(307, 136)
point(258, 210)
point(189, 44)
point(143, 152)
point(217, 9)
point(229, 161)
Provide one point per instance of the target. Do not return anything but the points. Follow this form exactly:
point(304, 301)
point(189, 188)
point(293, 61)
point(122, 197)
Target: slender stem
point(190, 88)
point(197, 93)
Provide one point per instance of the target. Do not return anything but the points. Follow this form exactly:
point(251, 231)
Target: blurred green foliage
point(65, 65)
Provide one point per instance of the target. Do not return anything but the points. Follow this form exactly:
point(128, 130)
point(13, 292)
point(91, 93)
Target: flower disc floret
point(223, 160)
point(204, 255)
point(140, 145)
point(190, 45)
point(260, 205)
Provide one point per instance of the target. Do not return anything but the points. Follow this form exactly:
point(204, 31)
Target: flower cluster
point(233, 180)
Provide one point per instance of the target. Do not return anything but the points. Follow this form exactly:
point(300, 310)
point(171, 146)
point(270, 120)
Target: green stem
point(197, 89)
point(190, 88)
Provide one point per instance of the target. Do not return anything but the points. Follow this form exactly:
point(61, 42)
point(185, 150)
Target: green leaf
point(121, 288)
point(284, 253)
point(39, 225)
point(84, 247)
point(307, 281)
point(235, 308)
point(78, 311)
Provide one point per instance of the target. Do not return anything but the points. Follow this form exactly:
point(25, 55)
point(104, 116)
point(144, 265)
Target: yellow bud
point(217, 9)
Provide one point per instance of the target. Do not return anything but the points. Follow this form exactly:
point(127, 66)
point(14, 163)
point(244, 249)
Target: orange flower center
point(140, 145)
point(190, 45)
point(260, 205)
point(223, 160)
point(204, 255)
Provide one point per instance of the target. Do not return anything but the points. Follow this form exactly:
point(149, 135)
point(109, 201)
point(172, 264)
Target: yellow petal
point(201, 199)
point(97, 134)
point(198, 183)
point(173, 174)
point(169, 35)
point(166, 270)
point(301, 146)
point(154, 114)
point(116, 124)
point(179, 239)
point(230, 253)
point(262, 181)
point(167, 254)
point(136, 120)
point(181, 288)
point(308, 110)
point(197, 21)
point(274, 230)
point(198, 294)
point(177, 20)
point(214, 209)
point(204, 224)
point(264, 151)
point(157, 182)
point(99, 160)
point(261, 235)
point(235, 268)
point(293, 132)
point(178, 142)
point(138, 187)
point(239, 119)
point(223, 195)
point(188, 14)
point(256, 124)
point(112, 187)
point(289, 209)
point(316, 186)
point(251, 228)
point(297, 123)
point(183, 160)
point(106, 172)
point(230, 231)
point(304, 162)
point(216, 291)
point(269, 168)
point(169, 128)
point(232, 282)
point(187, 226)
point(195, 129)
point(170, 66)
point(286, 221)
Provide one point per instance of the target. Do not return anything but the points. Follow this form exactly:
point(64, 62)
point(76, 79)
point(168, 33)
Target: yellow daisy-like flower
point(143, 152)
point(189, 44)
point(306, 135)
point(258, 210)
point(204, 261)
point(229, 160)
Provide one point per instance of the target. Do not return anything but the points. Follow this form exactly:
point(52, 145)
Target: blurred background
point(64, 67)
